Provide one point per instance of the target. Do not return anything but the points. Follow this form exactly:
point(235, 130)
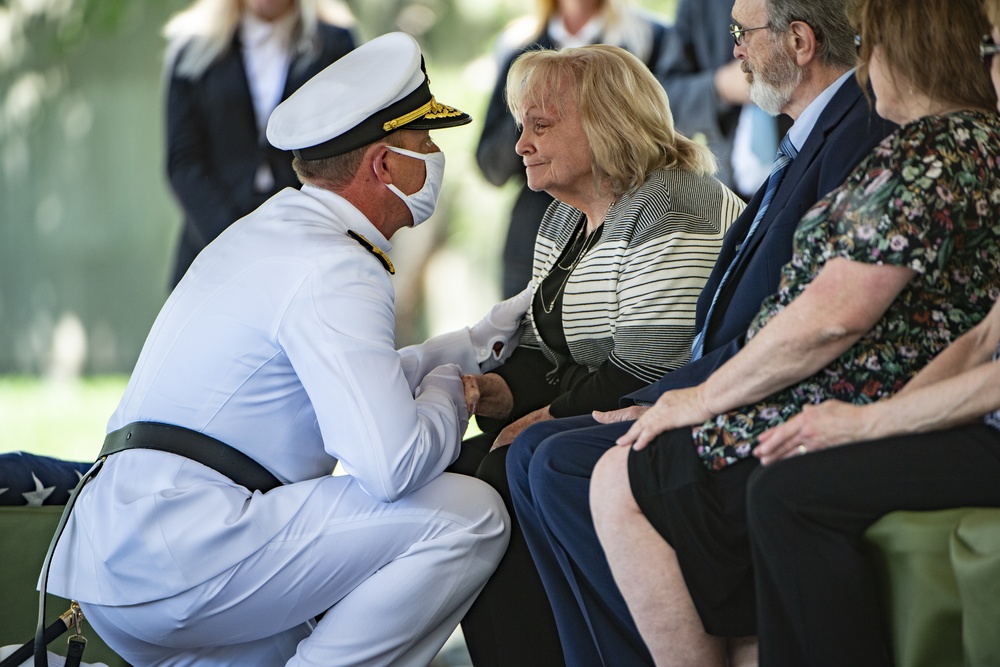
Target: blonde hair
point(623, 25)
point(200, 34)
point(623, 108)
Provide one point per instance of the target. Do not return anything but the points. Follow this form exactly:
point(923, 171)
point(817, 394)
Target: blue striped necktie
point(786, 153)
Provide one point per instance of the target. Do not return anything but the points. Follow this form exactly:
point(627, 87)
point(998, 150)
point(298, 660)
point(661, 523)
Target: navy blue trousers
point(548, 469)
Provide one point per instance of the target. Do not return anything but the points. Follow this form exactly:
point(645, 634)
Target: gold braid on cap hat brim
point(433, 109)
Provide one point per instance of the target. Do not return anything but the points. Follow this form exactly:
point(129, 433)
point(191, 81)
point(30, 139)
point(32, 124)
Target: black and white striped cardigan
point(632, 297)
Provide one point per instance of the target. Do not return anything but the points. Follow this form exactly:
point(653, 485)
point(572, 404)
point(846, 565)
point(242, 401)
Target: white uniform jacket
point(279, 342)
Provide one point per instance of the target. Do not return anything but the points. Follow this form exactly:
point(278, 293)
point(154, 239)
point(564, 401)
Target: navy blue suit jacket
point(846, 131)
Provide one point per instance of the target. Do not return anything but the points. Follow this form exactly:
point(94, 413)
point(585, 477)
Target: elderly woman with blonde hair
point(230, 62)
point(620, 259)
point(554, 24)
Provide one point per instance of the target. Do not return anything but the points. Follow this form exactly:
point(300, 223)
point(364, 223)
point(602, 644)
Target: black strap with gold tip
point(375, 250)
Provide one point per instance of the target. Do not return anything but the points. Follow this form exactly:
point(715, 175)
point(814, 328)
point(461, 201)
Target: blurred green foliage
point(62, 419)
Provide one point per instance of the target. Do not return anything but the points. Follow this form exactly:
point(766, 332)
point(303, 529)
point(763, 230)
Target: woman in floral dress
point(926, 448)
point(886, 272)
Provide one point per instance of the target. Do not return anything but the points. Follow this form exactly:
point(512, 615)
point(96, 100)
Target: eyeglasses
point(738, 31)
point(987, 49)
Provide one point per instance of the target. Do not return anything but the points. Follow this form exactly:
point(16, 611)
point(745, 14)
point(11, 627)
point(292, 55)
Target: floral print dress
point(927, 198)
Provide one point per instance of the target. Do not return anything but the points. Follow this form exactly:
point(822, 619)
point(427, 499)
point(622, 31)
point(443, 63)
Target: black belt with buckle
point(193, 445)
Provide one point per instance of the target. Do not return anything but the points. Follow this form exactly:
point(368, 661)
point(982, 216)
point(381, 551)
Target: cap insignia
point(439, 110)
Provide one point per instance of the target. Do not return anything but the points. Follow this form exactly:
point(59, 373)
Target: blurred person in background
point(229, 63)
point(620, 259)
point(558, 23)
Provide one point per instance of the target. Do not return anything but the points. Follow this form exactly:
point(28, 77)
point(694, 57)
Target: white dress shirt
point(266, 47)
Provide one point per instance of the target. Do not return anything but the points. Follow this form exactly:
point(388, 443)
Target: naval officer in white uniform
point(278, 342)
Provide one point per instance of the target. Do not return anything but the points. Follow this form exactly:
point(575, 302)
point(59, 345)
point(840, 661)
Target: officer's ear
point(377, 158)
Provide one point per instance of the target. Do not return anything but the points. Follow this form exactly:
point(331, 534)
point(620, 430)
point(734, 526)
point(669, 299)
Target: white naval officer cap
point(374, 90)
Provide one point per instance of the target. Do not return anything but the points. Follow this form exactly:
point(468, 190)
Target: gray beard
point(773, 86)
point(770, 99)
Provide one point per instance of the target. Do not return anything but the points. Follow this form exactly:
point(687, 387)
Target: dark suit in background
point(214, 147)
point(552, 501)
point(499, 163)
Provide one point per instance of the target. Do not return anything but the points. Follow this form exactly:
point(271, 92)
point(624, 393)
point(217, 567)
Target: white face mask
point(422, 202)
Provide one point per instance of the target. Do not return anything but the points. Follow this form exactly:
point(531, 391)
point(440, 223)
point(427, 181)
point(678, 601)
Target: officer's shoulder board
point(375, 250)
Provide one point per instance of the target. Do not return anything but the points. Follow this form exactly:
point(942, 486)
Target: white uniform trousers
point(393, 578)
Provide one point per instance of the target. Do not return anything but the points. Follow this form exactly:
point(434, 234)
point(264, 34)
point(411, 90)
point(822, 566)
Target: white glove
point(448, 378)
point(495, 336)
